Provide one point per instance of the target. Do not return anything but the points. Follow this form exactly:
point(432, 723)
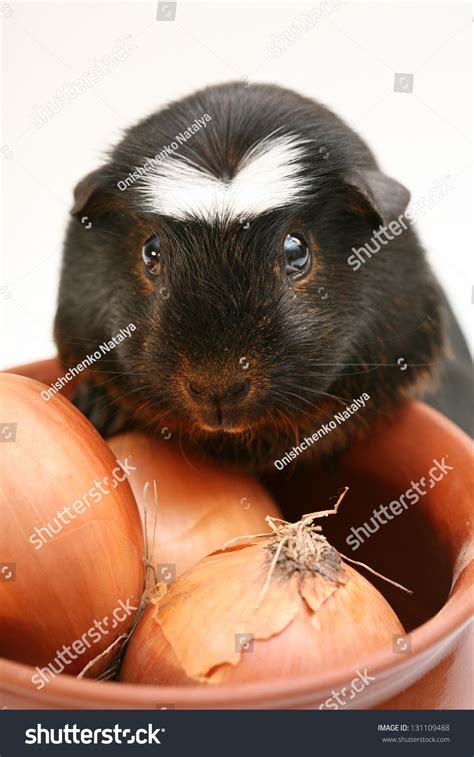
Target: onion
point(63, 574)
point(198, 507)
point(278, 606)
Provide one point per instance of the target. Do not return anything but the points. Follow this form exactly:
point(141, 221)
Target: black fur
point(222, 295)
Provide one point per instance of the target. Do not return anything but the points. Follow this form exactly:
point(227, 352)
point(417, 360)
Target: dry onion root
point(279, 605)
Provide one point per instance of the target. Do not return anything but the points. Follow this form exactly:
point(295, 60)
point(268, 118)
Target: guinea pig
point(221, 229)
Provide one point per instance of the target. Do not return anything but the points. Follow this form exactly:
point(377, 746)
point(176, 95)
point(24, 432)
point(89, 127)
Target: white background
point(348, 61)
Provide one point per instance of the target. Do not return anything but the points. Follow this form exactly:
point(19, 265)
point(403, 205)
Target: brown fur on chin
point(258, 447)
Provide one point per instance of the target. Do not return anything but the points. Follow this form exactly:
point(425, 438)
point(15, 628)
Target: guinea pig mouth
point(237, 429)
point(216, 420)
point(223, 418)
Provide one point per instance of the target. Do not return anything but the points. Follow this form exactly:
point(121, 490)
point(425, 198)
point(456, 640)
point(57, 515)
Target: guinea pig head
point(231, 262)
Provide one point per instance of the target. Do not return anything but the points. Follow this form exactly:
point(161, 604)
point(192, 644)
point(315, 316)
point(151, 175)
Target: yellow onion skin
point(189, 636)
point(83, 572)
point(199, 506)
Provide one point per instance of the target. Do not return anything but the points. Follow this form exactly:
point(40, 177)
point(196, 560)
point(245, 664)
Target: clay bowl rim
point(451, 619)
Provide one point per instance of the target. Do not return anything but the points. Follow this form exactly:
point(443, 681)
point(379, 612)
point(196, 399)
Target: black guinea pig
point(208, 288)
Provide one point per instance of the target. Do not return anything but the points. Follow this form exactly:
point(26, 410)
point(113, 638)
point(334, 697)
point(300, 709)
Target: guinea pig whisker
point(110, 402)
point(180, 439)
point(294, 428)
point(271, 417)
point(288, 420)
point(70, 339)
point(318, 362)
point(115, 373)
point(142, 387)
point(283, 400)
point(286, 402)
point(318, 392)
point(102, 230)
point(158, 416)
point(343, 373)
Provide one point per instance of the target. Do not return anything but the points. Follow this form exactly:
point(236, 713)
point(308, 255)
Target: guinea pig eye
point(151, 255)
point(297, 255)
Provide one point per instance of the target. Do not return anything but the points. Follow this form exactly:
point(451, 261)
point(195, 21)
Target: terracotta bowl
point(427, 547)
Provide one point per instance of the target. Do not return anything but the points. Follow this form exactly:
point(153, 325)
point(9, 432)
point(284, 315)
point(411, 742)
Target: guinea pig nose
point(238, 390)
point(195, 390)
point(218, 392)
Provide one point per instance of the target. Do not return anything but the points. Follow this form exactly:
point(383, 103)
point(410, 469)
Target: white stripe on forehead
point(268, 177)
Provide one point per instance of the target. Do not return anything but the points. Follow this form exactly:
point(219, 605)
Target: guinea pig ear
point(87, 187)
point(377, 197)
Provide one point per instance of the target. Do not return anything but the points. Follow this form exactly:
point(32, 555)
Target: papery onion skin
point(289, 639)
point(200, 506)
point(81, 574)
